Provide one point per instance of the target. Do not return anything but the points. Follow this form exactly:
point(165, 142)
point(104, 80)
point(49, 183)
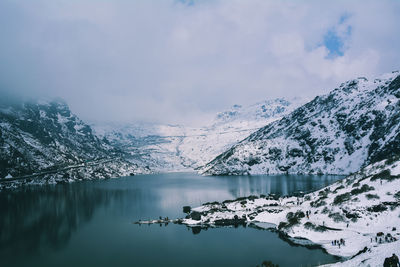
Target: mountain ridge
point(42, 136)
point(336, 133)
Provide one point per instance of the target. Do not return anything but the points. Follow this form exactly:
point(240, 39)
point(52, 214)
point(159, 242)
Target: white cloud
point(173, 62)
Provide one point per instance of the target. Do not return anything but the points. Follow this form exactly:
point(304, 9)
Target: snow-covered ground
point(363, 210)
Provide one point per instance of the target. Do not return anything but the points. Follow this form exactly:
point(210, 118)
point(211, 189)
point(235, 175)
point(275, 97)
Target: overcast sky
point(180, 61)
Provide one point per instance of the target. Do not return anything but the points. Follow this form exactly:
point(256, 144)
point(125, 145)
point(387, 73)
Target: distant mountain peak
point(263, 110)
point(177, 147)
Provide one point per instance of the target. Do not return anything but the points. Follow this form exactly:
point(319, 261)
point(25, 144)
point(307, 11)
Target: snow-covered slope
point(354, 125)
point(177, 147)
point(362, 210)
point(44, 136)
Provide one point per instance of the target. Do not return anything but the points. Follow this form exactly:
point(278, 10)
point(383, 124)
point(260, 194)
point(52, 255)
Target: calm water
point(90, 223)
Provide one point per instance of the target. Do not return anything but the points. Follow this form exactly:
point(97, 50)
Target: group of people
point(339, 242)
point(388, 239)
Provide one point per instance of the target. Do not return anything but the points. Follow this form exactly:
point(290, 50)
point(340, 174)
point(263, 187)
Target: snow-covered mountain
point(338, 133)
point(44, 136)
point(177, 147)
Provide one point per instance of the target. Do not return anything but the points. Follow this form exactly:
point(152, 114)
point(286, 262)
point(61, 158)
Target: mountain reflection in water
point(64, 224)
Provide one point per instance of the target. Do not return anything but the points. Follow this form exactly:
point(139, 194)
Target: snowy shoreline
point(356, 219)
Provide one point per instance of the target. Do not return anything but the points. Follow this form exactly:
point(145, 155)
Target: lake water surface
point(90, 223)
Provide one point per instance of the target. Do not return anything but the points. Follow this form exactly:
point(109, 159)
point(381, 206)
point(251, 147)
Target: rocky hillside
point(40, 137)
point(338, 133)
point(178, 147)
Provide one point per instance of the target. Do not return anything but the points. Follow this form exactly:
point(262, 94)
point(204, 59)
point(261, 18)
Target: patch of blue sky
point(335, 38)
